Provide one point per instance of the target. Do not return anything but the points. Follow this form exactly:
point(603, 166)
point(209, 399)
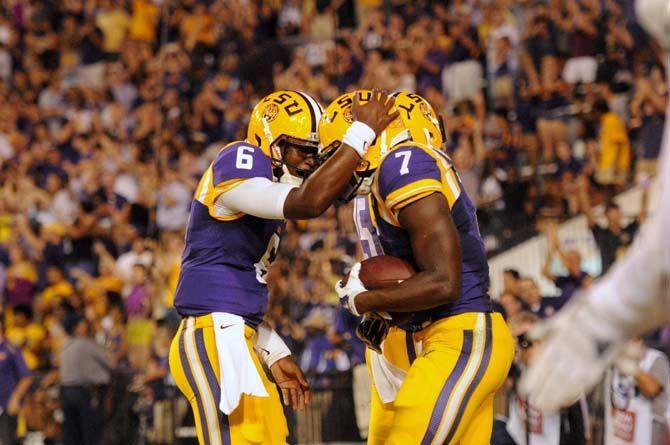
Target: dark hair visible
point(601, 106)
point(611, 205)
point(24, 310)
point(70, 322)
point(515, 273)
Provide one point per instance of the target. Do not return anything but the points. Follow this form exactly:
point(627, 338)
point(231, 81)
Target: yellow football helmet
point(336, 120)
point(417, 121)
point(284, 116)
point(424, 124)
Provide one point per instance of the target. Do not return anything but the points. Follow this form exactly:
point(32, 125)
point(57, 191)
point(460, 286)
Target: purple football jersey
point(225, 261)
point(407, 174)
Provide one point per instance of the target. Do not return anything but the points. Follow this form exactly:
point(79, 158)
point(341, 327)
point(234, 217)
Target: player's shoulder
point(407, 163)
point(241, 160)
point(235, 149)
point(417, 150)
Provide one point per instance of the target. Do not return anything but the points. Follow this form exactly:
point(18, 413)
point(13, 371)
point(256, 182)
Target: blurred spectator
point(571, 261)
point(320, 356)
point(527, 424)
point(463, 79)
point(113, 21)
point(15, 380)
point(84, 370)
point(510, 304)
point(543, 307)
point(343, 333)
point(577, 18)
point(511, 281)
point(26, 334)
point(615, 153)
point(647, 109)
point(637, 397)
point(614, 237)
point(144, 20)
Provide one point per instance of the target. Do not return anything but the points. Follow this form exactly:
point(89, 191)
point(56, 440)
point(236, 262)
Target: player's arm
point(437, 252)
point(285, 371)
point(327, 183)
point(263, 198)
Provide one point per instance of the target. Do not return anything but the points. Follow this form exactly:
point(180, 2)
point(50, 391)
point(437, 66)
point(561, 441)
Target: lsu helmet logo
point(427, 113)
point(270, 112)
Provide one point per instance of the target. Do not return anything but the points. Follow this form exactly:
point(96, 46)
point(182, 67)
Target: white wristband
point(270, 346)
point(352, 305)
point(359, 137)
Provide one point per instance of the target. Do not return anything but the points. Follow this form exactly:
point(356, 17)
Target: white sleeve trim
point(258, 197)
point(270, 346)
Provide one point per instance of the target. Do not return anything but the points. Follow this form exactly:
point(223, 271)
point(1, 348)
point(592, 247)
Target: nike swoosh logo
point(224, 327)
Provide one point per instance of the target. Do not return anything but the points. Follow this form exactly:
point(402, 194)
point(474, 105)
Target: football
point(383, 271)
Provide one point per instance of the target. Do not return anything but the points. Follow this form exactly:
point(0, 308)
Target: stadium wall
point(528, 257)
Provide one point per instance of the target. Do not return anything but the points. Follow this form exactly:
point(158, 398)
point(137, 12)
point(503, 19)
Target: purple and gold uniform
point(466, 350)
point(224, 263)
point(411, 172)
point(398, 347)
point(226, 255)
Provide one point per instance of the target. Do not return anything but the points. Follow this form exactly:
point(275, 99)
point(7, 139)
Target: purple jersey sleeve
point(241, 161)
point(407, 172)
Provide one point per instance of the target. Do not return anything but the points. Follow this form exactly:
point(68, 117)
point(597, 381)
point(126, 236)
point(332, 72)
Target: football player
point(236, 220)
point(590, 332)
point(421, 214)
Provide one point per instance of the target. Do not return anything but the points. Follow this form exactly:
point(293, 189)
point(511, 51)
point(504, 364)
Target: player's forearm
point(269, 345)
point(323, 186)
point(630, 295)
point(634, 294)
point(423, 291)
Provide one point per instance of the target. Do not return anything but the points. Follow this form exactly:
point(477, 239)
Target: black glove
point(372, 331)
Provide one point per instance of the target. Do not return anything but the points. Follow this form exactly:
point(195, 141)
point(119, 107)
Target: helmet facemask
point(292, 172)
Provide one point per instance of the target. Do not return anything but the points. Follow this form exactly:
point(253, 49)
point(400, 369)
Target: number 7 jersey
point(406, 174)
point(226, 254)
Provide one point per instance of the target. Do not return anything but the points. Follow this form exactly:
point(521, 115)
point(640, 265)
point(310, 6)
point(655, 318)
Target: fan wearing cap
point(416, 210)
point(236, 220)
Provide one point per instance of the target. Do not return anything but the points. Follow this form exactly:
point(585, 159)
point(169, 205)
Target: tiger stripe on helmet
point(424, 123)
point(315, 109)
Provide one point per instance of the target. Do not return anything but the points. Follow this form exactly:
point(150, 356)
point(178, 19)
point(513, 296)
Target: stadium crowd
point(110, 110)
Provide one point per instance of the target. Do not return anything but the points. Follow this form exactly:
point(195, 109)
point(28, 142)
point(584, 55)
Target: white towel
point(236, 366)
point(387, 377)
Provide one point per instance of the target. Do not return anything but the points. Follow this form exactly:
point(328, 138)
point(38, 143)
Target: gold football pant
point(195, 368)
point(447, 396)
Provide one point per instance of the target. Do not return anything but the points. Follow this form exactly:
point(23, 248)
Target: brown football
point(383, 271)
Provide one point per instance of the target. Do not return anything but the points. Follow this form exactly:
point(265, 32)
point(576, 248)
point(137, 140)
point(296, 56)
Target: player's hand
point(377, 113)
point(571, 359)
point(295, 389)
point(372, 331)
point(347, 292)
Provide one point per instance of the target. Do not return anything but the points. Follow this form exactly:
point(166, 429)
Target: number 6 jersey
point(406, 174)
point(226, 254)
